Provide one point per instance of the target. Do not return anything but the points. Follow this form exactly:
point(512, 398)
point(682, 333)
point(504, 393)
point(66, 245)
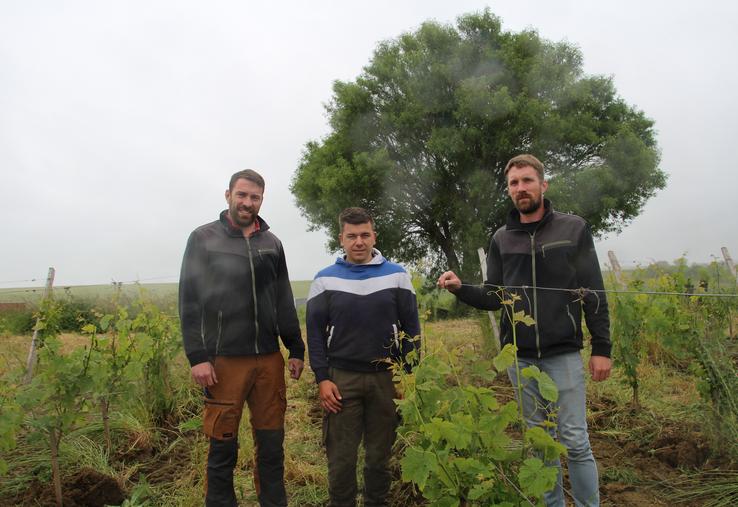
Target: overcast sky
point(121, 122)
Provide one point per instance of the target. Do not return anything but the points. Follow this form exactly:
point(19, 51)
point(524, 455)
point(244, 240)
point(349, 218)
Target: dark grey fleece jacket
point(235, 296)
point(559, 253)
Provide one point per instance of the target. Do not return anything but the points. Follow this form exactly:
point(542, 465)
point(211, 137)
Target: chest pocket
point(558, 263)
point(548, 248)
point(266, 261)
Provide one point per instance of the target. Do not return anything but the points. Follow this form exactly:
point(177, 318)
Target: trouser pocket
point(221, 418)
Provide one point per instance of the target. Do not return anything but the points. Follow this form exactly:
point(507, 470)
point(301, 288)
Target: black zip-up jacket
point(235, 296)
point(559, 253)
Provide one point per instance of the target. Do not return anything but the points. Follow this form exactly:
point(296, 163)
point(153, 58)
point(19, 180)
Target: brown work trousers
point(257, 380)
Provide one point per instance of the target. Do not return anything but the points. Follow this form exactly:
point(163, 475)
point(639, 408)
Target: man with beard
point(235, 299)
point(533, 256)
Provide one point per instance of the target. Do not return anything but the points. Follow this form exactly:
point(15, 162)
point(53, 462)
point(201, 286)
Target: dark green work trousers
point(368, 410)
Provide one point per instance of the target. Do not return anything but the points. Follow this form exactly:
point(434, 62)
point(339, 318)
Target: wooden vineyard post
point(617, 271)
point(34, 341)
point(729, 262)
point(493, 321)
point(731, 267)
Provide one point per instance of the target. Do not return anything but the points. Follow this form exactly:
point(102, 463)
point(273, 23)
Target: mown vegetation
point(112, 417)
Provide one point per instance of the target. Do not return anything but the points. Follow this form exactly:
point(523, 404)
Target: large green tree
point(421, 138)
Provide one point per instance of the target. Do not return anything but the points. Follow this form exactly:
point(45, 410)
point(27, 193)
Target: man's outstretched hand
point(449, 281)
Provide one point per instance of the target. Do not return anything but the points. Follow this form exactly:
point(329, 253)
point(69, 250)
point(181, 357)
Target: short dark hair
point(247, 174)
point(525, 160)
point(354, 216)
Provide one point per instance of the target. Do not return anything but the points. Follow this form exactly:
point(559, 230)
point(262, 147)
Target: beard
point(238, 219)
point(530, 206)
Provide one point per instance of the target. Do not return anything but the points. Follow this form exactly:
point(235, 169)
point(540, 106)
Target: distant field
point(300, 290)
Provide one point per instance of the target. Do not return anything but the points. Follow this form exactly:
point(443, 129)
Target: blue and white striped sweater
point(356, 313)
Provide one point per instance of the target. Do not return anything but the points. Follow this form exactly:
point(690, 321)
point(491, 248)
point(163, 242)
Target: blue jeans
point(567, 372)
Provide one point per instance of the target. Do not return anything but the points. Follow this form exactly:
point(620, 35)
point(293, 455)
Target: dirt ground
point(87, 488)
point(633, 475)
point(630, 475)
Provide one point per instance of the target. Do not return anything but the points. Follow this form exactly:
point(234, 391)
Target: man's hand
point(330, 398)
point(599, 367)
point(295, 366)
point(204, 374)
point(449, 281)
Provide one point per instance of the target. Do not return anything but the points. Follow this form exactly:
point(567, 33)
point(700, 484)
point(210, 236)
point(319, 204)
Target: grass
point(623, 474)
point(167, 464)
point(709, 488)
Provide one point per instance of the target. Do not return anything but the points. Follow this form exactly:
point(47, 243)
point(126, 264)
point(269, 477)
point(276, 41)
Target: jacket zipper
point(217, 341)
point(253, 292)
point(202, 329)
point(571, 317)
point(535, 292)
point(330, 337)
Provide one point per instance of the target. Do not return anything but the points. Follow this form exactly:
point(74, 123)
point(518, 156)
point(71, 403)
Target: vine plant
point(459, 443)
point(55, 399)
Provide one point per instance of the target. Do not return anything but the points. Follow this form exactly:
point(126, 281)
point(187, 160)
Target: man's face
point(357, 241)
point(525, 189)
point(244, 201)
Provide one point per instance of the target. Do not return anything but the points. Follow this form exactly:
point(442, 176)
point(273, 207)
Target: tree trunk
point(447, 247)
point(636, 401)
point(56, 476)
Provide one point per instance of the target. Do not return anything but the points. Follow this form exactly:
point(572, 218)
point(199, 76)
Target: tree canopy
point(422, 136)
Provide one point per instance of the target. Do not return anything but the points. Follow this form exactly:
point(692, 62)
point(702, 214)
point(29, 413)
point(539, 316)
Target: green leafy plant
point(11, 417)
point(459, 444)
point(628, 344)
point(113, 368)
point(157, 344)
point(56, 399)
point(677, 326)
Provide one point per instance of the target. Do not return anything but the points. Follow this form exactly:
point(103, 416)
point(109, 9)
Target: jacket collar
point(513, 218)
point(377, 259)
point(236, 231)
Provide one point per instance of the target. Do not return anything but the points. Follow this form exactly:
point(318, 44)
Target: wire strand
point(584, 290)
point(4, 282)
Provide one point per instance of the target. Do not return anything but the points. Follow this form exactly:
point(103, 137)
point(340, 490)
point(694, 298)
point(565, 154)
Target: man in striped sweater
point(361, 315)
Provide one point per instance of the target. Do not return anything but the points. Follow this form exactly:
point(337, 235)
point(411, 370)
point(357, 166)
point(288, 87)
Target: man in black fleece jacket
point(235, 299)
point(538, 250)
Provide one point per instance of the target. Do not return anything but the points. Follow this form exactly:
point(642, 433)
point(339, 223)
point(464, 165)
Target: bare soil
point(87, 488)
